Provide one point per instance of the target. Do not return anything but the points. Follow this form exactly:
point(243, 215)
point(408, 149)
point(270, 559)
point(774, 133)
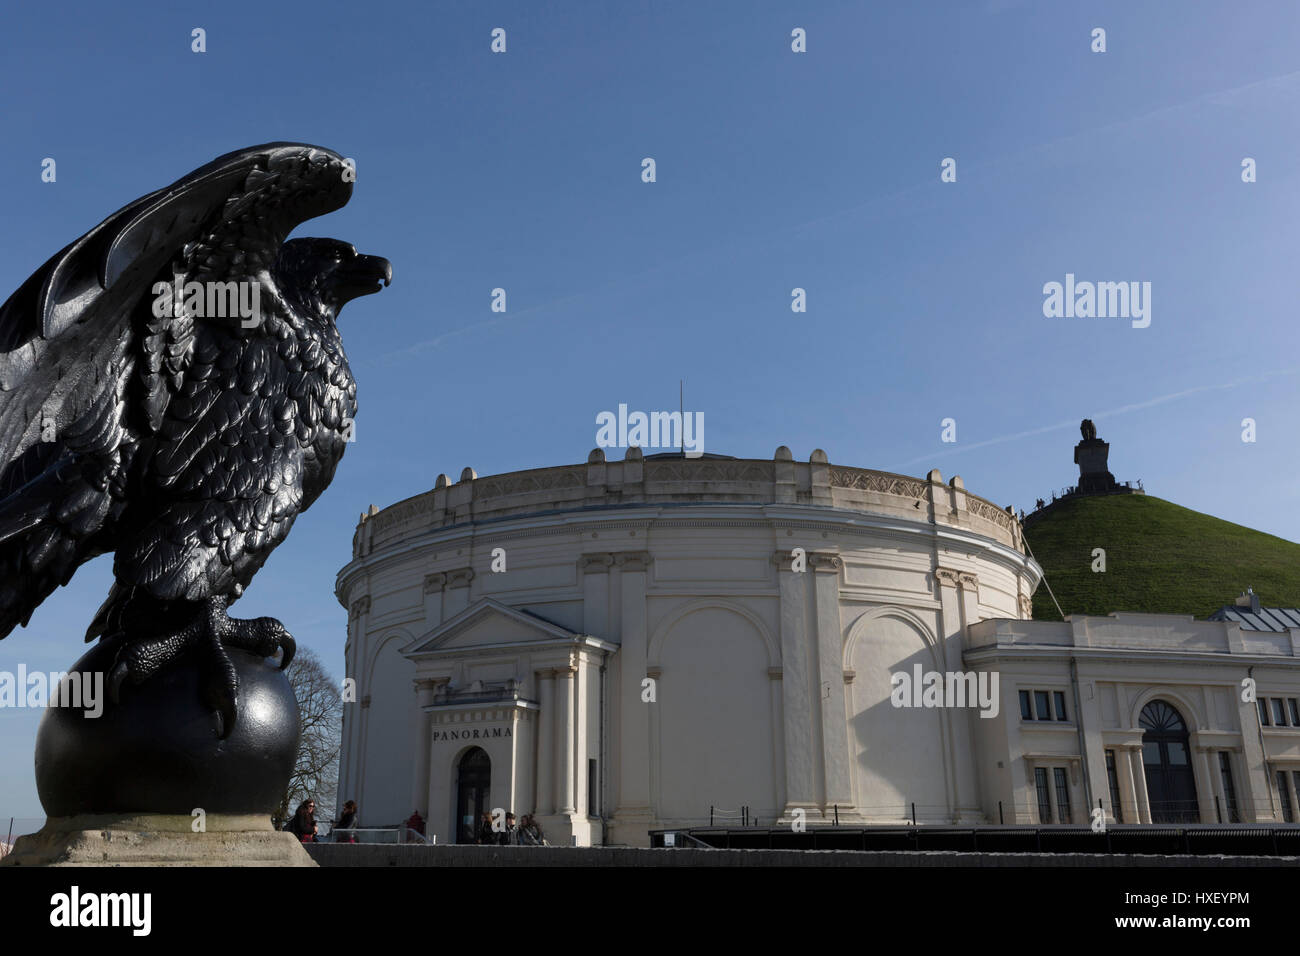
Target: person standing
point(510, 834)
point(485, 834)
point(416, 822)
point(347, 822)
point(303, 824)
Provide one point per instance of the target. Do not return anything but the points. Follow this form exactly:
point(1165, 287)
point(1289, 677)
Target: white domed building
point(623, 646)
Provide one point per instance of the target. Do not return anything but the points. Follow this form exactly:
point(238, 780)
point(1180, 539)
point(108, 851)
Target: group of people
point(303, 822)
point(527, 832)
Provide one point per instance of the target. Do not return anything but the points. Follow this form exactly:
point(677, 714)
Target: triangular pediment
point(488, 623)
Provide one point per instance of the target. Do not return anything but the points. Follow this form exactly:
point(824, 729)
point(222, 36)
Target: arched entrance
point(1167, 760)
point(473, 778)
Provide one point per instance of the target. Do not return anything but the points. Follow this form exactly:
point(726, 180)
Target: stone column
point(1215, 760)
point(778, 740)
point(360, 614)
point(798, 680)
point(634, 755)
point(564, 739)
point(1127, 790)
point(958, 594)
point(595, 594)
point(965, 783)
point(584, 685)
point(423, 742)
point(1140, 779)
point(433, 585)
point(546, 743)
point(347, 759)
point(456, 596)
point(830, 665)
point(1255, 799)
point(1205, 786)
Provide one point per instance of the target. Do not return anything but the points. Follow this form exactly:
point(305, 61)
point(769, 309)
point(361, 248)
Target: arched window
point(1167, 760)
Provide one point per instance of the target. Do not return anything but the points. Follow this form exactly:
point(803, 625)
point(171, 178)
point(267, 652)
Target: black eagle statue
point(138, 415)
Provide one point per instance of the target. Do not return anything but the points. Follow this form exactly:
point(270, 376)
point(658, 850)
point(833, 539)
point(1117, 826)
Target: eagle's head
point(323, 275)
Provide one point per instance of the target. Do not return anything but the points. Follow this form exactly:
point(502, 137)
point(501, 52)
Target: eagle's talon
point(221, 689)
point(289, 647)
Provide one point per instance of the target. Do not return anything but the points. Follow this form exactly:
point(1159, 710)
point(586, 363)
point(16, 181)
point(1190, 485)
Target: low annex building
point(622, 646)
point(1154, 718)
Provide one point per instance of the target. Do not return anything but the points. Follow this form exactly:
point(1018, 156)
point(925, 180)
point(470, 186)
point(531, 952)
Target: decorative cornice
point(826, 562)
point(597, 563)
point(459, 578)
point(633, 560)
point(775, 673)
point(566, 673)
point(947, 577)
point(434, 582)
point(421, 544)
point(756, 481)
point(360, 606)
point(849, 675)
point(654, 672)
point(969, 580)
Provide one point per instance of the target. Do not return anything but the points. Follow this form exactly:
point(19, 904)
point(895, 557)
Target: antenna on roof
point(681, 408)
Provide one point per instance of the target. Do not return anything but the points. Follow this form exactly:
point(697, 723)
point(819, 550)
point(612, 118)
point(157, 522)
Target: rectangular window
point(1279, 712)
point(1026, 709)
point(1044, 796)
point(1041, 705)
point(1262, 704)
point(593, 789)
point(1295, 712)
point(1062, 795)
point(1225, 770)
point(1112, 778)
point(1284, 797)
point(1059, 699)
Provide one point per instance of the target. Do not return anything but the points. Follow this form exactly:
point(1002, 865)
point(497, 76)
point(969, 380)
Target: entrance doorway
point(473, 778)
point(1166, 758)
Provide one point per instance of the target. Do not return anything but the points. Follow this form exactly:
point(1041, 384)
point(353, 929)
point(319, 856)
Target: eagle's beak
point(363, 276)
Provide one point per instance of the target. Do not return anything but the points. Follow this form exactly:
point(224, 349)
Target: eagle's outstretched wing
point(86, 368)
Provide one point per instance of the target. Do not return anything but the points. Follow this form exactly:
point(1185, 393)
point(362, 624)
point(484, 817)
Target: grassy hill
point(1160, 558)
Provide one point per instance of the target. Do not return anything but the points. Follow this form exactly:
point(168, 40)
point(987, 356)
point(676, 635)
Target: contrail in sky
point(1121, 410)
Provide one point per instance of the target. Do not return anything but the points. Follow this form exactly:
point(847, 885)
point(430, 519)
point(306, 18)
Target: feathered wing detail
point(87, 369)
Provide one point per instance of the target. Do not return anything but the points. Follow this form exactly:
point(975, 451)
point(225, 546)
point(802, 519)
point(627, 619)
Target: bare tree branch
point(320, 713)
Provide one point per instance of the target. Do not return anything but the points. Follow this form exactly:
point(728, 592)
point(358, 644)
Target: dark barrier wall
point(343, 854)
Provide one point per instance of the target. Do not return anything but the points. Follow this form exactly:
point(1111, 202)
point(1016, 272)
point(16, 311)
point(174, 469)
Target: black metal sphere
point(157, 751)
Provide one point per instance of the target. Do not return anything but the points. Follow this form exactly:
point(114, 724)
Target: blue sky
point(775, 170)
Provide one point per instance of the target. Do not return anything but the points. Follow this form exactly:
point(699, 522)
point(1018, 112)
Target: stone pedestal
point(154, 839)
point(1091, 455)
point(129, 784)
